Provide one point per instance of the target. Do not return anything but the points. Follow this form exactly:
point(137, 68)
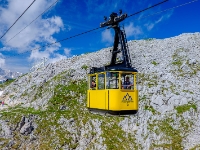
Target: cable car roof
point(111, 68)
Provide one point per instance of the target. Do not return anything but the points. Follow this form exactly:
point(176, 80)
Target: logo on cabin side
point(127, 99)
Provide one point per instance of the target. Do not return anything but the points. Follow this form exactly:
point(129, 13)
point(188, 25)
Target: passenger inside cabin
point(127, 83)
point(93, 84)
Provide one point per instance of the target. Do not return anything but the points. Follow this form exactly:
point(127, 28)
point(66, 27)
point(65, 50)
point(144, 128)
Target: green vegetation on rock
point(5, 84)
point(183, 108)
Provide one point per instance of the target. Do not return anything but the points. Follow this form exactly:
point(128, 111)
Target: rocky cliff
point(46, 109)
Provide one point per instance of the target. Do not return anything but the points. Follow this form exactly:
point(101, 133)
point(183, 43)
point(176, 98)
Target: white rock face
point(169, 77)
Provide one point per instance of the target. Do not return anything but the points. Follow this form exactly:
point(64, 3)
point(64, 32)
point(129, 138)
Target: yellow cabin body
point(112, 94)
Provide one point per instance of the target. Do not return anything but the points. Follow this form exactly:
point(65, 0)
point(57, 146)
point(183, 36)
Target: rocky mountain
point(7, 74)
point(46, 109)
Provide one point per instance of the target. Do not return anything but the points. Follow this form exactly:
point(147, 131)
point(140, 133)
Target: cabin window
point(112, 81)
point(92, 83)
point(101, 81)
point(127, 80)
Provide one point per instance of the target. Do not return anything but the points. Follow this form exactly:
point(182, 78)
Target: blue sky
point(70, 17)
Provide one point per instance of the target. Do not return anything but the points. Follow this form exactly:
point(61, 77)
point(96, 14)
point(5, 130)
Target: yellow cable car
point(111, 95)
point(113, 88)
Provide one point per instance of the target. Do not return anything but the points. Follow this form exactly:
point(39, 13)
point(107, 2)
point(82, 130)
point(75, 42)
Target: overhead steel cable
point(33, 20)
point(17, 19)
point(148, 8)
point(170, 8)
point(86, 31)
point(167, 9)
point(99, 28)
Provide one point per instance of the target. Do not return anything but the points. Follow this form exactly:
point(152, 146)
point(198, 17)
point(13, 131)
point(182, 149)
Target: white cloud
point(18, 68)
point(49, 53)
point(17, 64)
point(151, 25)
point(107, 36)
point(38, 55)
point(132, 30)
point(40, 31)
point(67, 52)
point(2, 61)
point(57, 58)
point(5, 48)
point(159, 20)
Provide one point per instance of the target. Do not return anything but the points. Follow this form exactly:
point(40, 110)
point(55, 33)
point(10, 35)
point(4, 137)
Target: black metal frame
point(120, 38)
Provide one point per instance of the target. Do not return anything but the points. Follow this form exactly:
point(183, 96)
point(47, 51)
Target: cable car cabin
point(113, 88)
point(115, 92)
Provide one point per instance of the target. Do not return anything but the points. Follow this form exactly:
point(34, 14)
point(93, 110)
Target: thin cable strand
point(32, 21)
point(17, 19)
point(147, 8)
point(169, 9)
point(54, 42)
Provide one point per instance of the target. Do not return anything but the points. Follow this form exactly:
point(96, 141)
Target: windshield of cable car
point(101, 81)
point(112, 80)
point(127, 80)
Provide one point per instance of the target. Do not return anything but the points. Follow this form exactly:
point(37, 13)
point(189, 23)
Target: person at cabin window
point(127, 84)
point(93, 84)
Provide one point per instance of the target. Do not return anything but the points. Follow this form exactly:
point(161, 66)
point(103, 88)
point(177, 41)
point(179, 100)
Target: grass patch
point(172, 137)
point(6, 83)
point(177, 63)
point(154, 63)
point(150, 108)
point(183, 108)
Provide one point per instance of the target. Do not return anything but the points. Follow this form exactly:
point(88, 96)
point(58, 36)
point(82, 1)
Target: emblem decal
point(127, 99)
